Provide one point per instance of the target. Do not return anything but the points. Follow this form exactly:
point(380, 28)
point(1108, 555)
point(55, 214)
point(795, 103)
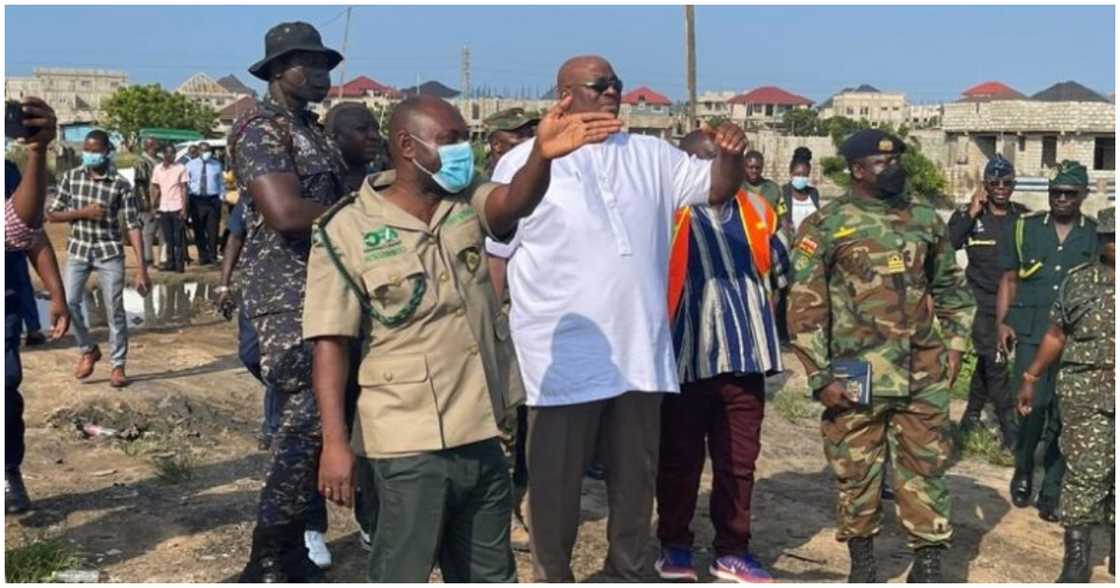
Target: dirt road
point(177, 502)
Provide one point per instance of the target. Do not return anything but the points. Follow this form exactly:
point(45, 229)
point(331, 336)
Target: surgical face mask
point(94, 160)
point(456, 165)
point(892, 181)
point(205, 156)
point(799, 182)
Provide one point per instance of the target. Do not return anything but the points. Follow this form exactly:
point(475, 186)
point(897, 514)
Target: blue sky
point(929, 52)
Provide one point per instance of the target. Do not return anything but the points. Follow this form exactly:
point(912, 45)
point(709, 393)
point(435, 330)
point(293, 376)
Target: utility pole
point(690, 53)
point(345, 38)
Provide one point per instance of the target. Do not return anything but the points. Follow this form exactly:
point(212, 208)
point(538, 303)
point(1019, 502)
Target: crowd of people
point(450, 352)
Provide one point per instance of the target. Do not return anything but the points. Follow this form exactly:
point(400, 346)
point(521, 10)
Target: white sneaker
point(364, 538)
point(317, 549)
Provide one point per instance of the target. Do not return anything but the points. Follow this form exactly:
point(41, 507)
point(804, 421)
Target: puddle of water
point(176, 304)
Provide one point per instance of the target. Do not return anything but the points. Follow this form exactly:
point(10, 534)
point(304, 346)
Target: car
point(217, 146)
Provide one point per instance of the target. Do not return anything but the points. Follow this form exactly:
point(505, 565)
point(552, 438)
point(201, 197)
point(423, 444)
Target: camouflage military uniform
point(270, 139)
point(1086, 311)
point(876, 280)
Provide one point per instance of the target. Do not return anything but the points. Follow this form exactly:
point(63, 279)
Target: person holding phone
point(33, 125)
point(978, 227)
point(90, 199)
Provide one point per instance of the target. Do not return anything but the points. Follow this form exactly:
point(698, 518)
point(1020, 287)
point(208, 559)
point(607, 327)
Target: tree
point(132, 108)
point(801, 122)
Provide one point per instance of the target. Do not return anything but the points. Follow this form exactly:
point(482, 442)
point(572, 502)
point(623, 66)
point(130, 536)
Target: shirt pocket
point(465, 245)
point(397, 290)
point(397, 409)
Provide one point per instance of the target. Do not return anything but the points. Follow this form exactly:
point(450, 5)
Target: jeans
point(148, 227)
point(205, 214)
point(172, 227)
point(110, 281)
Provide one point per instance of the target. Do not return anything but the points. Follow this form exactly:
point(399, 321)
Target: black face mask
point(891, 182)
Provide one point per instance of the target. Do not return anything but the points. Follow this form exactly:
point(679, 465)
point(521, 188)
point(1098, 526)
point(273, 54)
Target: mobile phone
point(13, 121)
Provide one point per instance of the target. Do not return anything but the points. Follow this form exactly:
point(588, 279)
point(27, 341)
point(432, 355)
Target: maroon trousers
point(727, 411)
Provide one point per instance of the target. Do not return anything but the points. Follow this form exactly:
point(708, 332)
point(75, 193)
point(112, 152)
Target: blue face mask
point(799, 182)
point(94, 160)
point(456, 165)
point(206, 156)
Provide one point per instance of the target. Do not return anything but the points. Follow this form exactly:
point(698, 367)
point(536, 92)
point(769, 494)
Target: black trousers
point(171, 226)
point(206, 213)
point(13, 400)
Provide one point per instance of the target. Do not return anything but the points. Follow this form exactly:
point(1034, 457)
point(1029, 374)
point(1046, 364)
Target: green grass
point(795, 405)
point(175, 469)
point(964, 378)
point(983, 445)
point(38, 561)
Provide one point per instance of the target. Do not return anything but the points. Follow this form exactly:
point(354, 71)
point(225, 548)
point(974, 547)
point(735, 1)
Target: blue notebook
point(855, 376)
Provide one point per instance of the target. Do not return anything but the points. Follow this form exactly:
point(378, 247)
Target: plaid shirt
point(96, 239)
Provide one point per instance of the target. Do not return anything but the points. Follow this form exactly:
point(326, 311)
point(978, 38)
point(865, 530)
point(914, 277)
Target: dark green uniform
point(1041, 262)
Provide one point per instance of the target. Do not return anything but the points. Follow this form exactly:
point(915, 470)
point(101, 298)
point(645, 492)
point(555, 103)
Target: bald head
point(431, 119)
point(575, 76)
point(700, 144)
point(418, 128)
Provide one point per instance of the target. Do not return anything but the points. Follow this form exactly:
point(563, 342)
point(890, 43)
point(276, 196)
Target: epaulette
point(335, 208)
point(1033, 214)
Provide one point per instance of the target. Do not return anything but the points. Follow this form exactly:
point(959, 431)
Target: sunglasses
point(1065, 194)
point(601, 85)
point(1000, 183)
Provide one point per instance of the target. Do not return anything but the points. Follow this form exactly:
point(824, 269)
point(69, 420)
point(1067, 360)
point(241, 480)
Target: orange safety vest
point(759, 223)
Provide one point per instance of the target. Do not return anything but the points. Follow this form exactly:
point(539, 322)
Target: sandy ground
point(191, 399)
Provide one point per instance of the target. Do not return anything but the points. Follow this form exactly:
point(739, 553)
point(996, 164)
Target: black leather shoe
point(1021, 488)
point(35, 338)
point(16, 500)
point(1048, 508)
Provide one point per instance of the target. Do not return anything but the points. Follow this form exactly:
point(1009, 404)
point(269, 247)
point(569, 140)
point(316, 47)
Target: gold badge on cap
point(886, 145)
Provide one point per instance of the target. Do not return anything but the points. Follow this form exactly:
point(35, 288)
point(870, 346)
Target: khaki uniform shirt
point(430, 376)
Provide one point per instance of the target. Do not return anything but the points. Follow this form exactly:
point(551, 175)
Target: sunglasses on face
point(1064, 195)
point(601, 85)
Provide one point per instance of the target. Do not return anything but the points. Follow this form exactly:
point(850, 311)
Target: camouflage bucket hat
point(1106, 221)
point(510, 119)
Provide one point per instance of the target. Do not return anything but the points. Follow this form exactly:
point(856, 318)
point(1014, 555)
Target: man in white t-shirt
point(588, 281)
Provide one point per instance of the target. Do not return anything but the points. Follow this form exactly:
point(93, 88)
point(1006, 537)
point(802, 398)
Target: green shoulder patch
point(460, 216)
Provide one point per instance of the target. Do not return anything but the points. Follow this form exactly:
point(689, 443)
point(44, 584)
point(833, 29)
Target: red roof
point(237, 108)
point(361, 86)
point(646, 95)
point(770, 95)
point(992, 90)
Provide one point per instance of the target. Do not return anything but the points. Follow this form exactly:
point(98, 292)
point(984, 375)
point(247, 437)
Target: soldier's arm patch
point(807, 246)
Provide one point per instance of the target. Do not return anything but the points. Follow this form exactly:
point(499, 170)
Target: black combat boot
point(861, 552)
point(1075, 564)
point(1112, 551)
point(16, 500)
point(926, 568)
point(265, 558)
